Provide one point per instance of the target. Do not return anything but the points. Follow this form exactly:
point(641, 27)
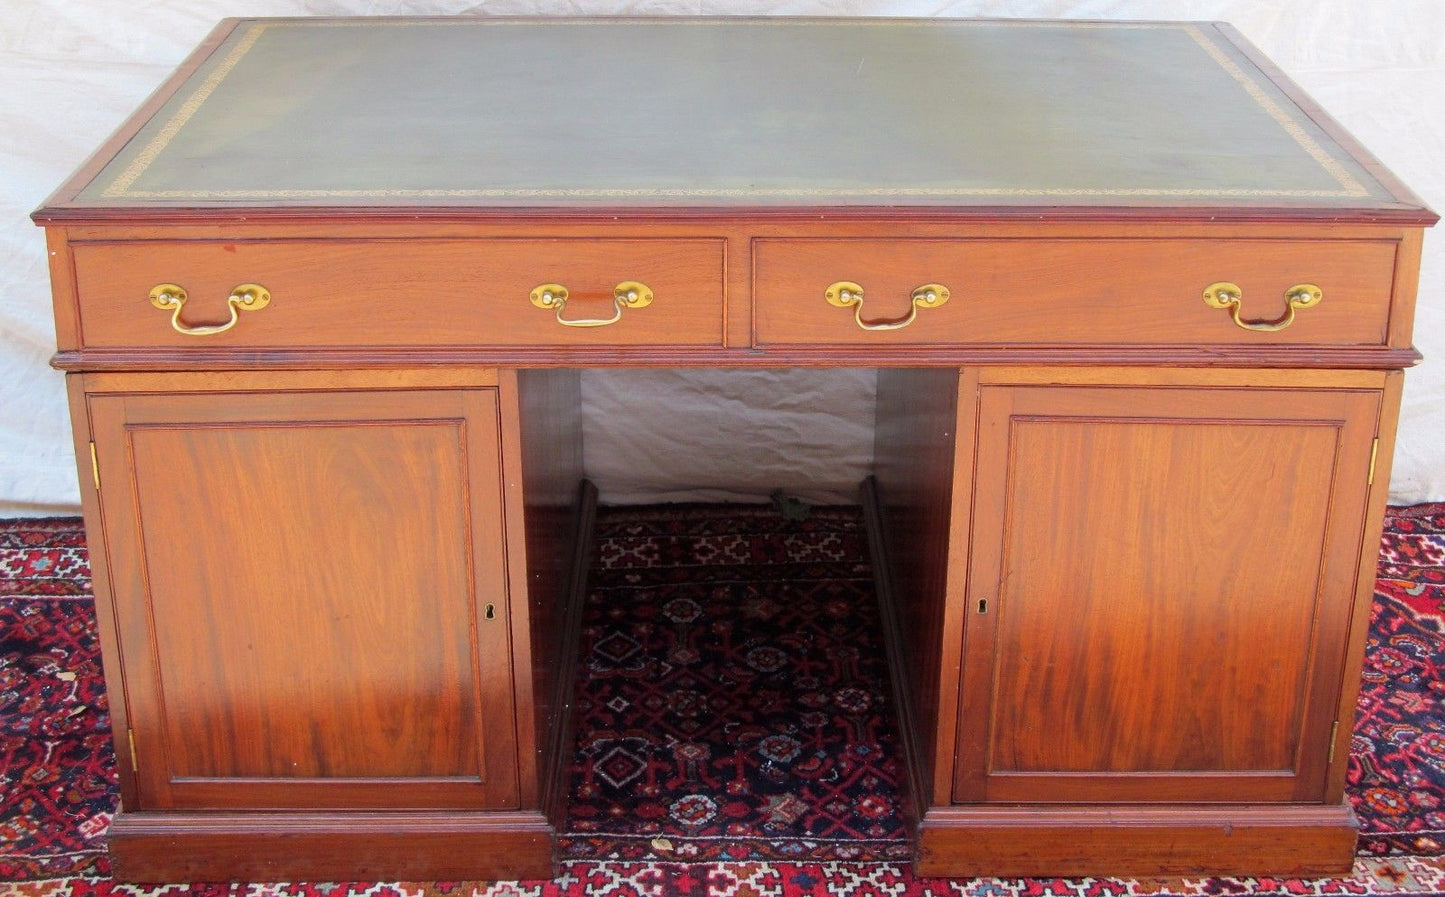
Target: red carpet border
point(58, 789)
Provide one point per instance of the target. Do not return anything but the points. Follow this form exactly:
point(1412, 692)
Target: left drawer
point(402, 292)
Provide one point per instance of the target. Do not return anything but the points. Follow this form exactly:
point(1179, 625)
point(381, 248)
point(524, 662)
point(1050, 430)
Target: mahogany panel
point(1255, 840)
point(1127, 292)
point(402, 293)
point(542, 468)
point(1407, 286)
point(312, 846)
point(322, 621)
point(62, 289)
point(1138, 632)
point(1373, 525)
point(913, 459)
point(97, 553)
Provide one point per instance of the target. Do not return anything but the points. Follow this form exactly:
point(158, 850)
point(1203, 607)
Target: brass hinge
point(1374, 451)
point(134, 763)
point(94, 466)
point(1334, 732)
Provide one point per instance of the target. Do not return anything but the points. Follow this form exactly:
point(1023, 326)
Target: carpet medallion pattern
point(729, 742)
point(733, 700)
point(1396, 777)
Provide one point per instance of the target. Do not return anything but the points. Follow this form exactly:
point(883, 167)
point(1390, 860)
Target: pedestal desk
point(1139, 309)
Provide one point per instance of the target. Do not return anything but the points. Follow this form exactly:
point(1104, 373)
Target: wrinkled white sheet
point(71, 70)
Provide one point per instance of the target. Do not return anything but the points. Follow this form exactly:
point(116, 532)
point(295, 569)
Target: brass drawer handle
point(846, 294)
point(1229, 296)
point(628, 294)
point(172, 298)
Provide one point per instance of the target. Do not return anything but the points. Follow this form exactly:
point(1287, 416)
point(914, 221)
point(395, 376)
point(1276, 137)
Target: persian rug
point(724, 746)
point(733, 700)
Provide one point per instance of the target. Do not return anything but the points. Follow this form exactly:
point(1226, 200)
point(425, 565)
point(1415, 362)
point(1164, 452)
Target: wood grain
point(1145, 638)
point(62, 289)
point(283, 381)
point(313, 846)
point(419, 292)
point(1187, 841)
point(913, 456)
point(1406, 286)
point(1364, 586)
point(1247, 378)
point(913, 740)
point(1099, 292)
point(302, 522)
point(98, 556)
point(336, 572)
point(542, 469)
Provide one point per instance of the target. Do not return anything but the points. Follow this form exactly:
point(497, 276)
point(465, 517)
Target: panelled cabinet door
point(310, 596)
point(1159, 592)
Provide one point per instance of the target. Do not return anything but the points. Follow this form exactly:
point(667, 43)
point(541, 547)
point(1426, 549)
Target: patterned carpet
point(733, 701)
point(720, 721)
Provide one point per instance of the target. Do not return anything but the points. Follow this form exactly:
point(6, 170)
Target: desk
point(1139, 310)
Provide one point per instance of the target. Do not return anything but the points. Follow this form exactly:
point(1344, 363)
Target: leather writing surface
point(750, 112)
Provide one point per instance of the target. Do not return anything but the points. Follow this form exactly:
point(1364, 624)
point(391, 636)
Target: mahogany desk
point(1140, 311)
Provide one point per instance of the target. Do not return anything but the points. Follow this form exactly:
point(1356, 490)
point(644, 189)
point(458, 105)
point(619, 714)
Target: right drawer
point(1072, 291)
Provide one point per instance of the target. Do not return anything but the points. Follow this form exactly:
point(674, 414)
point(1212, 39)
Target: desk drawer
point(414, 293)
point(1055, 291)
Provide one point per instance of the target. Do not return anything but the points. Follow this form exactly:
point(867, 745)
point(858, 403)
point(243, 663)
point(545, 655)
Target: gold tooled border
point(120, 187)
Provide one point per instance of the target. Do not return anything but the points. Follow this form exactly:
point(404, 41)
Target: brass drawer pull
point(628, 294)
point(846, 294)
point(1229, 296)
point(172, 298)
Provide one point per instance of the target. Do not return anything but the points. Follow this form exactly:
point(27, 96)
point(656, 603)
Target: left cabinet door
point(310, 597)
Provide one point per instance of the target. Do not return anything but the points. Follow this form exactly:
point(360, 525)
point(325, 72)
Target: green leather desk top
point(693, 113)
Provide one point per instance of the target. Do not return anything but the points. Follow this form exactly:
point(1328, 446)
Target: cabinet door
point(310, 596)
point(1159, 591)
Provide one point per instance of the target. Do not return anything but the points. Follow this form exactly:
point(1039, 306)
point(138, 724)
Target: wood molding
point(1243, 378)
point(706, 224)
point(197, 213)
point(1370, 358)
point(285, 380)
point(1030, 840)
point(330, 846)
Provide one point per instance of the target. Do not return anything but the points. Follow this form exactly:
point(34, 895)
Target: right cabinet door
point(1159, 591)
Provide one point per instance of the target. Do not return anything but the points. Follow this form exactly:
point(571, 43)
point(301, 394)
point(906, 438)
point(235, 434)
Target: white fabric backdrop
point(71, 70)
